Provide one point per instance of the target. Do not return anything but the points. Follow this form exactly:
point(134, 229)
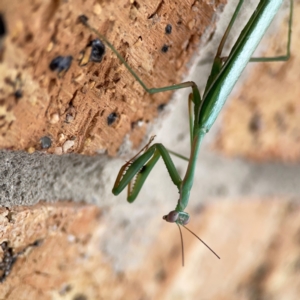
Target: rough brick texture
point(72, 108)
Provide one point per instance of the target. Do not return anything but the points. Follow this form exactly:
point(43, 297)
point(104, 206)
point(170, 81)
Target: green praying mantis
point(224, 74)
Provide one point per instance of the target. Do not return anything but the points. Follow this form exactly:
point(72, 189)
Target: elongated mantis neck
point(188, 180)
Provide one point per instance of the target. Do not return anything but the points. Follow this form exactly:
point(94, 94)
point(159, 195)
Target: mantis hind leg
point(219, 59)
point(288, 46)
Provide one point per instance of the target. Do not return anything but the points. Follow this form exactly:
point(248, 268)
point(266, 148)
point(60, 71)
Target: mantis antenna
point(181, 219)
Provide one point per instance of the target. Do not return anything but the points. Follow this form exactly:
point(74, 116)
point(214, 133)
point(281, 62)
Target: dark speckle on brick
point(45, 142)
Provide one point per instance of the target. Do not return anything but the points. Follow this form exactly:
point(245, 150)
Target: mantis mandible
point(224, 74)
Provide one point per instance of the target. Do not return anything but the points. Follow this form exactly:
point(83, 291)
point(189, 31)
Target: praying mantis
point(223, 77)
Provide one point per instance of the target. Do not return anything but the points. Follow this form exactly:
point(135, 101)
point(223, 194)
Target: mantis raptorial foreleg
point(141, 167)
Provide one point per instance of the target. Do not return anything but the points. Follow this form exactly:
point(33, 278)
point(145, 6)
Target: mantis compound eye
point(172, 216)
point(184, 218)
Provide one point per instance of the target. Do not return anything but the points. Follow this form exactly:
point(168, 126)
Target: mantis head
point(179, 217)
